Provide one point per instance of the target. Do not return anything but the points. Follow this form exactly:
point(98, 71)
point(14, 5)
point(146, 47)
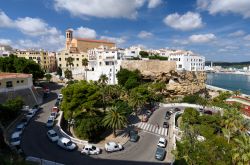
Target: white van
point(113, 146)
point(15, 139)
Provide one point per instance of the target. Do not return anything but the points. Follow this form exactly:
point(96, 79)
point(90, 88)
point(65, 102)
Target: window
point(60, 65)
point(21, 81)
point(0, 84)
point(60, 59)
point(77, 59)
point(9, 84)
point(17, 81)
point(30, 58)
point(44, 58)
point(77, 65)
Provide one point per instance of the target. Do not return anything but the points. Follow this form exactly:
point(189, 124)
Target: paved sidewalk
point(171, 140)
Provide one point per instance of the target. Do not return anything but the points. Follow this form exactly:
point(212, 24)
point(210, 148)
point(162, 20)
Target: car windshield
point(53, 134)
point(161, 142)
point(15, 139)
point(50, 121)
point(93, 147)
point(69, 143)
point(159, 151)
point(18, 129)
point(53, 114)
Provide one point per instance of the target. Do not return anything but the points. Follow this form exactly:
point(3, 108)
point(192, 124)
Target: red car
point(55, 109)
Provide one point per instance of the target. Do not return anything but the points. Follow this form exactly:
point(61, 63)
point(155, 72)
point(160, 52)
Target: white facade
point(5, 50)
point(104, 61)
point(187, 60)
point(132, 52)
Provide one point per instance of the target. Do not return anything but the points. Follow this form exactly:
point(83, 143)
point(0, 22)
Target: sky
point(216, 29)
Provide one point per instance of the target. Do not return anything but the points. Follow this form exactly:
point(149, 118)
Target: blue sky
point(218, 30)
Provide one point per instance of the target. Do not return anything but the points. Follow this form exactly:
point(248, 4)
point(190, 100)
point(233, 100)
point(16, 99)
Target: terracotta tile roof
point(4, 75)
point(92, 40)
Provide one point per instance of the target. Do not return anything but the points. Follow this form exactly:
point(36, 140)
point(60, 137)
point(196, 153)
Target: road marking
point(159, 131)
point(143, 125)
point(166, 132)
point(162, 131)
point(147, 127)
point(139, 124)
point(153, 130)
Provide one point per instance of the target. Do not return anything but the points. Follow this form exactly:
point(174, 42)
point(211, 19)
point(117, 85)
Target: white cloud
point(202, 38)
point(188, 21)
point(100, 8)
point(237, 33)
point(5, 20)
point(241, 7)
point(247, 37)
point(154, 3)
point(145, 34)
point(4, 41)
point(117, 40)
point(84, 32)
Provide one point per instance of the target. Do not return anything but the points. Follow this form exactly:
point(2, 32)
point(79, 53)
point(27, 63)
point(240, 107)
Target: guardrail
point(75, 140)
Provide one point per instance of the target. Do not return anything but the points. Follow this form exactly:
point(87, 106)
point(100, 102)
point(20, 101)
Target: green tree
point(129, 79)
point(114, 119)
point(48, 77)
point(103, 79)
point(85, 63)
point(68, 74)
point(192, 99)
point(237, 92)
point(241, 151)
point(190, 116)
point(143, 54)
point(59, 71)
point(69, 61)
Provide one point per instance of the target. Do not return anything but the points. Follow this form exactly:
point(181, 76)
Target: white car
point(52, 135)
point(66, 143)
point(15, 139)
point(60, 96)
point(91, 150)
point(162, 142)
point(50, 122)
point(19, 128)
point(30, 114)
point(113, 146)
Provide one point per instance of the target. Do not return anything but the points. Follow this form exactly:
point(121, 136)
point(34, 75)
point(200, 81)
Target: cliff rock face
point(178, 83)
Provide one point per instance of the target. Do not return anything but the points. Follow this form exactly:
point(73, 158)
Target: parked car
point(91, 150)
point(167, 116)
point(133, 136)
point(15, 139)
point(113, 146)
point(25, 120)
point(52, 135)
point(46, 90)
point(165, 124)
point(160, 154)
point(57, 102)
point(55, 109)
point(53, 115)
point(50, 122)
point(31, 114)
point(144, 118)
point(19, 128)
point(162, 142)
point(60, 96)
point(148, 113)
point(66, 143)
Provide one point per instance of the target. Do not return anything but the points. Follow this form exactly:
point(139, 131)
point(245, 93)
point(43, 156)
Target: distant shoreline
point(215, 88)
point(239, 73)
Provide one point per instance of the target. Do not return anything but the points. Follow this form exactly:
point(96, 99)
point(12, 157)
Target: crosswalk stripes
point(152, 128)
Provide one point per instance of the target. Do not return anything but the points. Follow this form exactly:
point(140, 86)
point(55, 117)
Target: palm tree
point(68, 74)
point(136, 100)
point(69, 61)
point(85, 63)
point(114, 119)
point(103, 79)
point(241, 152)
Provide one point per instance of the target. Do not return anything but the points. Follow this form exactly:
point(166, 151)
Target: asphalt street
point(35, 142)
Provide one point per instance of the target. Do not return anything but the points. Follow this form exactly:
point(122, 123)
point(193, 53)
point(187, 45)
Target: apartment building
point(132, 52)
point(104, 60)
point(187, 60)
point(46, 59)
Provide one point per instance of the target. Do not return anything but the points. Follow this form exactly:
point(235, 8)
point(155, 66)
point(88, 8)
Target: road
point(35, 142)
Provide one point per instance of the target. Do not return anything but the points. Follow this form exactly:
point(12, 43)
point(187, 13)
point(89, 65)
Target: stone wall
point(147, 67)
point(178, 83)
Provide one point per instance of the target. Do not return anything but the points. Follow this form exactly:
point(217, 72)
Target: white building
point(132, 52)
point(106, 61)
point(187, 60)
point(5, 50)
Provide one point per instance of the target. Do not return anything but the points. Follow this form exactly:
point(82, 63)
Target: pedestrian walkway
point(152, 128)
